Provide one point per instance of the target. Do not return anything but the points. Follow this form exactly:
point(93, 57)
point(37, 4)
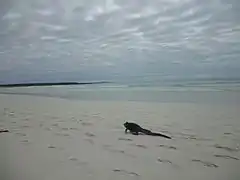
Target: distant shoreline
point(51, 84)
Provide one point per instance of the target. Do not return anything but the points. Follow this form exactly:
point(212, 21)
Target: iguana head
point(125, 124)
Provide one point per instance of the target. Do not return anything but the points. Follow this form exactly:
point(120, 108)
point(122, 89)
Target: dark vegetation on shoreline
point(51, 84)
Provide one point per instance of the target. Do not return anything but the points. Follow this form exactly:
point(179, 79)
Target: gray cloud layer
point(78, 39)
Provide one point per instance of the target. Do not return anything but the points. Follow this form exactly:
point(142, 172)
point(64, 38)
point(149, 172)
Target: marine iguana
point(136, 129)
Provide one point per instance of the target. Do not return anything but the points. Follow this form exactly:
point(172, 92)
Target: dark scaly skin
point(136, 129)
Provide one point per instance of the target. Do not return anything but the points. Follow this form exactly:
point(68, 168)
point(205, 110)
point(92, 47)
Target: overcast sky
point(101, 39)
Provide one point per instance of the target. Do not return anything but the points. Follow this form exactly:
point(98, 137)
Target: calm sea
point(168, 91)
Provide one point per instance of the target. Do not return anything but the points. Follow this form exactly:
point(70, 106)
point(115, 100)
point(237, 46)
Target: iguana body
point(136, 129)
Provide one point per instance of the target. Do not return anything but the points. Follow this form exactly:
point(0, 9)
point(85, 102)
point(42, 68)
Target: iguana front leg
point(134, 133)
point(126, 130)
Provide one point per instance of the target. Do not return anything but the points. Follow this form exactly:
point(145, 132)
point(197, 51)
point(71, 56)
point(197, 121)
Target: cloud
point(151, 36)
point(145, 12)
point(64, 40)
point(108, 7)
point(48, 38)
point(51, 27)
point(12, 16)
point(46, 12)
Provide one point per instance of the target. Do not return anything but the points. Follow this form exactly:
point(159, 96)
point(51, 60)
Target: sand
point(59, 139)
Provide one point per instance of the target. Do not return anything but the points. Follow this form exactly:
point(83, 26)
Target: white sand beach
point(60, 139)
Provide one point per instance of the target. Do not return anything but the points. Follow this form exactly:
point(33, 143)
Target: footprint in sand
point(115, 150)
point(77, 120)
point(26, 142)
point(110, 149)
point(25, 126)
point(86, 124)
point(167, 147)
point(62, 134)
point(227, 148)
point(227, 133)
point(73, 128)
point(193, 137)
point(205, 163)
point(65, 134)
point(125, 172)
point(140, 146)
point(51, 147)
point(124, 139)
point(77, 161)
point(90, 134)
point(198, 138)
point(25, 119)
point(21, 134)
point(226, 157)
point(165, 161)
point(55, 124)
point(89, 140)
point(48, 129)
point(72, 158)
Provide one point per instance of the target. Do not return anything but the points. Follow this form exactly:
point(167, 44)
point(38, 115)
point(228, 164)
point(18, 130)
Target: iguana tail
point(159, 134)
point(148, 132)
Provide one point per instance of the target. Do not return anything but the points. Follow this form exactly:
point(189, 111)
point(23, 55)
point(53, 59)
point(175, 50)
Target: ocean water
point(227, 92)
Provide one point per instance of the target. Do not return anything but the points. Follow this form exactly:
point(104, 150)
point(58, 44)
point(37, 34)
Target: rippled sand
point(56, 139)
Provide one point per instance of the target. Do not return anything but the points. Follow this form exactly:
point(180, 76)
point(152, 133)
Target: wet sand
point(59, 139)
